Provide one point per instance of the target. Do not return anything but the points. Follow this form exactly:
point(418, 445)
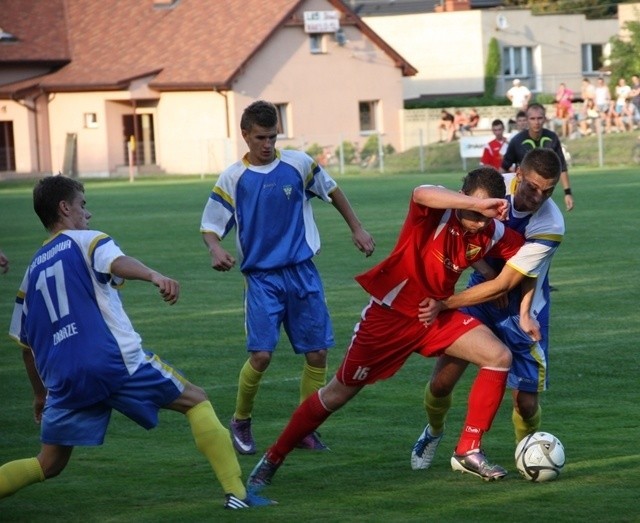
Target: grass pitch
point(592, 405)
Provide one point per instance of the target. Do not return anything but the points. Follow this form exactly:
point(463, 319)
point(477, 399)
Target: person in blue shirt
point(267, 197)
point(83, 356)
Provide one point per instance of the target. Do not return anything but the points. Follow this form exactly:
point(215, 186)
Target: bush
point(349, 151)
point(314, 150)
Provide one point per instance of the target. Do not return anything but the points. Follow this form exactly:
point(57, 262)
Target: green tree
point(590, 8)
point(492, 68)
point(625, 53)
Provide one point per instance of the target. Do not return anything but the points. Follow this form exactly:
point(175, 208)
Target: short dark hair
point(521, 114)
point(544, 162)
point(49, 192)
point(259, 113)
point(536, 105)
point(486, 178)
point(497, 121)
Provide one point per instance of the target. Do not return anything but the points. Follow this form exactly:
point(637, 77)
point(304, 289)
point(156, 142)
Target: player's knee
point(527, 405)
point(502, 358)
point(260, 360)
point(194, 394)
point(317, 358)
point(52, 467)
point(440, 386)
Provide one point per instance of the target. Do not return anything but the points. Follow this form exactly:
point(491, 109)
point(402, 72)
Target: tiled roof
point(39, 29)
point(190, 44)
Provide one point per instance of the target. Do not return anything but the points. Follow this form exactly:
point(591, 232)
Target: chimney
point(453, 5)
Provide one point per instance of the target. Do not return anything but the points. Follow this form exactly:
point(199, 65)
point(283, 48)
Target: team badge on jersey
point(287, 190)
point(472, 251)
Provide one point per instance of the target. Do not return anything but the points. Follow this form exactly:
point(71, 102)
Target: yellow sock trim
point(523, 427)
point(437, 409)
point(18, 474)
point(213, 440)
point(312, 380)
point(248, 384)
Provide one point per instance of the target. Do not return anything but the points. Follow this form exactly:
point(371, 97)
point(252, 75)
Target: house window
point(517, 62)
point(7, 149)
point(368, 120)
point(283, 120)
point(592, 56)
point(317, 43)
point(90, 120)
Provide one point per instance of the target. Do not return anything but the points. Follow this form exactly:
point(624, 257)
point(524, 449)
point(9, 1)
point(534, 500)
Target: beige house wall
point(191, 133)
point(323, 91)
point(447, 49)
point(450, 49)
point(628, 13)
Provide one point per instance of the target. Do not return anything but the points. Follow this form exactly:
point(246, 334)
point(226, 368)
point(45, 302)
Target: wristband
point(567, 191)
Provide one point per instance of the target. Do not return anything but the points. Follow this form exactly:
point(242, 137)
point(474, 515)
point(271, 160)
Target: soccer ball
point(540, 457)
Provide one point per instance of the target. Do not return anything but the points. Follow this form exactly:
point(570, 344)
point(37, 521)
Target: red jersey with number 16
point(432, 251)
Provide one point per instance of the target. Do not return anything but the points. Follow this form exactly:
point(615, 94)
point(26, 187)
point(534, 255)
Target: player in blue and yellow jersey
point(83, 356)
point(538, 218)
point(267, 196)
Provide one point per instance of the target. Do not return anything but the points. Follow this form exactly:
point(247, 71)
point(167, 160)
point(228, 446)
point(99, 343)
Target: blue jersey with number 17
point(68, 312)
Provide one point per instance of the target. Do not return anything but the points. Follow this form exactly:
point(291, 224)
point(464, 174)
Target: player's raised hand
point(493, 207)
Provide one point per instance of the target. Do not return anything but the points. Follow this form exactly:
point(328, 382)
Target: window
point(317, 43)
point(592, 56)
point(7, 149)
point(90, 120)
point(283, 120)
point(368, 120)
point(517, 62)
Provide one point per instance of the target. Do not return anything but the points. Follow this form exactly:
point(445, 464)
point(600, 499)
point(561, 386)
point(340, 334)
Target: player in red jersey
point(444, 233)
point(494, 151)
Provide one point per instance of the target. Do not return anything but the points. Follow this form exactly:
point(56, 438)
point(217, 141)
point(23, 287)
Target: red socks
point(484, 400)
point(309, 415)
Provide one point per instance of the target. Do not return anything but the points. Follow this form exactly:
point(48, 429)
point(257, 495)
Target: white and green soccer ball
point(540, 457)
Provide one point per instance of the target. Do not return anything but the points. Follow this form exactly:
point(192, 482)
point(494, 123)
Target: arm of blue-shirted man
point(130, 268)
point(361, 238)
point(39, 390)
point(489, 290)
point(528, 323)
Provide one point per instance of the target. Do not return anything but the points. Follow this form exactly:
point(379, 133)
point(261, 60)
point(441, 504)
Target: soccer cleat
point(242, 437)
point(425, 450)
point(252, 500)
point(476, 463)
point(261, 475)
point(312, 442)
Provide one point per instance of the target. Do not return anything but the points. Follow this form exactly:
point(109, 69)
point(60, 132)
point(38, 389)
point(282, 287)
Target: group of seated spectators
point(600, 111)
point(452, 126)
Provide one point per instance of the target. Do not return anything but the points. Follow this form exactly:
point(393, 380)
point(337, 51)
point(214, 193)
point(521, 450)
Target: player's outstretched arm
point(441, 198)
point(361, 238)
point(132, 269)
point(486, 291)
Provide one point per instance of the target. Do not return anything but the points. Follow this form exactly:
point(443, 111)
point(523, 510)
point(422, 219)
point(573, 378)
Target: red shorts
point(384, 339)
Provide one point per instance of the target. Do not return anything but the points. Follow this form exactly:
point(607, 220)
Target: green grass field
point(592, 405)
